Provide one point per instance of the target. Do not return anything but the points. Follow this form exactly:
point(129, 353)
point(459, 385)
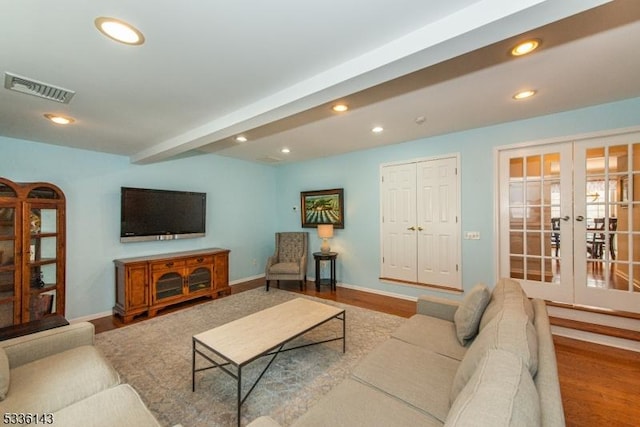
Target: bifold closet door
point(420, 229)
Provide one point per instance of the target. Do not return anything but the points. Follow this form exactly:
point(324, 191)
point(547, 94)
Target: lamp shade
point(325, 231)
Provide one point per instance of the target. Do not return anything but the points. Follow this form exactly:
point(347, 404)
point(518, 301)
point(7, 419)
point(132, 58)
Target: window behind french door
point(569, 222)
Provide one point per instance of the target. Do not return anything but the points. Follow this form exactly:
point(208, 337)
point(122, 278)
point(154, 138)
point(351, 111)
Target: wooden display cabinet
point(32, 251)
point(151, 283)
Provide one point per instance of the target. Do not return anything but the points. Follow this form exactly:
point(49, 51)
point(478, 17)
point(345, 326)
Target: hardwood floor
point(600, 385)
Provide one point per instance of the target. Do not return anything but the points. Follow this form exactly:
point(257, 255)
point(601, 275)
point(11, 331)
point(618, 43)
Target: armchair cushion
point(285, 268)
point(468, 314)
point(4, 374)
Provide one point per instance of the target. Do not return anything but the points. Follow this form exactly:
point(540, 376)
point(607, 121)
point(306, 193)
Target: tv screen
point(147, 214)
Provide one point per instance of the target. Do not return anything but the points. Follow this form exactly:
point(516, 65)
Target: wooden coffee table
point(264, 333)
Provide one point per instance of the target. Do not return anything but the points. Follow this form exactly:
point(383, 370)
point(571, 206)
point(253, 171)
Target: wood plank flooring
point(600, 385)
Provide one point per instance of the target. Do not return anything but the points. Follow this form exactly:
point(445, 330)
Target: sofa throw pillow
point(467, 316)
point(501, 393)
point(4, 374)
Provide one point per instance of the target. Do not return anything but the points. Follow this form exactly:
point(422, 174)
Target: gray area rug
point(154, 356)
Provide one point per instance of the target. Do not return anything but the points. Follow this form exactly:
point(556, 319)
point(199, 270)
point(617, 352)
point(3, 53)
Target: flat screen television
point(148, 214)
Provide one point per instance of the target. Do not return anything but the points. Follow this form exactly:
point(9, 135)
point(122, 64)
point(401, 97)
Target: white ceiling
point(210, 70)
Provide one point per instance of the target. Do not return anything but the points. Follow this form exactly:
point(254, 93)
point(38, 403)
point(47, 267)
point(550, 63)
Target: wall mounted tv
point(147, 214)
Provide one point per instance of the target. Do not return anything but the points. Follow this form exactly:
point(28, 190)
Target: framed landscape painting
point(322, 207)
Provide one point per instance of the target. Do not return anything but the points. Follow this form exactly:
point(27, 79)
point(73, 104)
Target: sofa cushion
point(285, 268)
point(500, 393)
point(468, 314)
point(410, 373)
point(432, 334)
point(507, 293)
point(5, 373)
point(510, 330)
point(51, 383)
point(116, 406)
point(352, 403)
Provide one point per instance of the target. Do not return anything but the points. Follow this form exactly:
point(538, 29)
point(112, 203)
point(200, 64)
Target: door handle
point(580, 218)
point(567, 218)
point(411, 228)
point(420, 228)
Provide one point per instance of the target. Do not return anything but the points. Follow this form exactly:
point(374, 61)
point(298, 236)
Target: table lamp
point(325, 231)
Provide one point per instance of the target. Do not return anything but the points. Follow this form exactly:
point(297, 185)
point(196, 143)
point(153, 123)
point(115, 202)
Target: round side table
point(325, 256)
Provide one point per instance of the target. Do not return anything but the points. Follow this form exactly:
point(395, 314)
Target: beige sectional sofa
point(434, 370)
point(58, 375)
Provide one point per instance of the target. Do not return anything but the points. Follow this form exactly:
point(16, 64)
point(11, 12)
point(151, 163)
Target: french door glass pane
point(534, 199)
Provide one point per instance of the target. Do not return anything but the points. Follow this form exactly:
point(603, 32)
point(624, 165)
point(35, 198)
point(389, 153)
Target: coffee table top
point(242, 340)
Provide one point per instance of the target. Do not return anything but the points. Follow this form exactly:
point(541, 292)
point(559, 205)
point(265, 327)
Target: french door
point(569, 221)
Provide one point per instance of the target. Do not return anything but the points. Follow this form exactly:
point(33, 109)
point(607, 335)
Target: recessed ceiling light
point(340, 108)
point(119, 31)
point(377, 129)
point(58, 119)
point(241, 138)
point(525, 47)
point(285, 150)
point(524, 94)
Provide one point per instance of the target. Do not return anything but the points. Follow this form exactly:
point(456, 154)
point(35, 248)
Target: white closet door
point(398, 222)
point(437, 226)
point(420, 230)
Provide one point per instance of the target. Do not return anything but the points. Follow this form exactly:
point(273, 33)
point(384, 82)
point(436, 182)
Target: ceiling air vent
point(36, 88)
point(270, 159)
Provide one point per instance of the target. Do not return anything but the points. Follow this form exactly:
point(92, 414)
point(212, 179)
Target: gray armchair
point(289, 260)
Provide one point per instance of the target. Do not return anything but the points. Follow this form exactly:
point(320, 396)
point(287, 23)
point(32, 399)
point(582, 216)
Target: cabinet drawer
point(200, 260)
point(168, 264)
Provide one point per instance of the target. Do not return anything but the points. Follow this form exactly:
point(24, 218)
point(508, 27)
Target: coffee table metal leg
point(239, 393)
point(344, 332)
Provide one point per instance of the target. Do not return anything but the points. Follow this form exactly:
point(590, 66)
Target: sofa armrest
point(440, 308)
point(27, 348)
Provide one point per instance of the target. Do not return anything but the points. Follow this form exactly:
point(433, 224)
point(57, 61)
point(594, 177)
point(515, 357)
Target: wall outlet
point(472, 235)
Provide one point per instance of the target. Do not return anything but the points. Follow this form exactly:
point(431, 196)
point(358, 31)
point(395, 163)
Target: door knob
point(579, 218)
point(411, 228)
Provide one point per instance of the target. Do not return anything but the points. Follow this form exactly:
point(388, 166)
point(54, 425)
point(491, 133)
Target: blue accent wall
point(248, 202)
point(240, 211)
point(358, 173)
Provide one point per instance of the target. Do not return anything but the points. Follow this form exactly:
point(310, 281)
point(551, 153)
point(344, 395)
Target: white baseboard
point(596, 338)
point(90, 317)
point(245, 279)
point(377, 292)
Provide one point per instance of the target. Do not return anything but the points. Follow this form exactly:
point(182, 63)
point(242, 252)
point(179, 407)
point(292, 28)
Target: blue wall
point(248, 202)
point(358, 173)
point(240, 211)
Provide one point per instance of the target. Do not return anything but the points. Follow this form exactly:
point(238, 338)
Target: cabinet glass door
point(168, 285)
point(43, 259)
point(199, 279)
point(9, 303)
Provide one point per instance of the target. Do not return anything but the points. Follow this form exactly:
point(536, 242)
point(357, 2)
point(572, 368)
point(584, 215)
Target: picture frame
point(322, 207)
